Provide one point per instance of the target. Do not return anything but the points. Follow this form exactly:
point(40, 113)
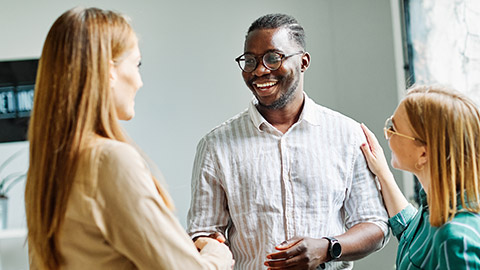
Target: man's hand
point(299, 253)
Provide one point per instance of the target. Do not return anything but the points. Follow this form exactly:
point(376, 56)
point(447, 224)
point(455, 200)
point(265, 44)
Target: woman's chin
point(394, 164)
point(126, 116)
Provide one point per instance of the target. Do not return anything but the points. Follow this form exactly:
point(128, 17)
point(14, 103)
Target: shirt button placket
point(288, 190)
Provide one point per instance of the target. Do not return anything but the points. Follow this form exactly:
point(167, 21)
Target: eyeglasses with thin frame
point(271, 60)
point(389, 131)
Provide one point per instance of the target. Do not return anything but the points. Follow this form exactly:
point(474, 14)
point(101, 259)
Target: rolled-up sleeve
point(364, 202)
point(400, 221)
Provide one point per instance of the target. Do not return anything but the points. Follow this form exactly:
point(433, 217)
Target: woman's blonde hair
point(73, 102)
point(449, 123)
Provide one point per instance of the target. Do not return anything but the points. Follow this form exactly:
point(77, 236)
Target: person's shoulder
point(228, 125)
point(339, 122)
point(109, 147)
point(464, 225)
point(106, 159)
point(122, 163)
point(333, 115)
point(467, 217)
point(115, 153)
point(121, 170)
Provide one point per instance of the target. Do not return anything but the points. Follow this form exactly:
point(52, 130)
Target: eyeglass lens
point(271, 60)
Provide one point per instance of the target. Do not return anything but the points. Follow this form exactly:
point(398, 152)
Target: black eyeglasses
point(271, 60)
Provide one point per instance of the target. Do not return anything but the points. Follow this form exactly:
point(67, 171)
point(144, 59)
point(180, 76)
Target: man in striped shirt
point(285, 181)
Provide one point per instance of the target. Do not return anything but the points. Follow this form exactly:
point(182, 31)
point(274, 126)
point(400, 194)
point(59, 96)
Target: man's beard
point(284, 99)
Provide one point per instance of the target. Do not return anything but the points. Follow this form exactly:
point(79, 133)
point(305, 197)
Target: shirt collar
point(308, 113)
point(422, 195)
point(255, 115)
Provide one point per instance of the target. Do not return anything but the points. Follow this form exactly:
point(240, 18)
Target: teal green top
point(454, 245)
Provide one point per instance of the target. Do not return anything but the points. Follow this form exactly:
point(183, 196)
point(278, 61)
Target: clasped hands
point(299, 253)
point(202, 241)
point(295, 253)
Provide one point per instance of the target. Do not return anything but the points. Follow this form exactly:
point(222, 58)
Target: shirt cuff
point(400, 221)
point(200, 234)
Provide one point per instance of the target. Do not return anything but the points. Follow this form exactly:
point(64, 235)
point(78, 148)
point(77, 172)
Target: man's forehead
point(268, 40)
point(258, 33)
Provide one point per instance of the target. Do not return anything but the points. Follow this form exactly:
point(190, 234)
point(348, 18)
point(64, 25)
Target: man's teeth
point(267, 84)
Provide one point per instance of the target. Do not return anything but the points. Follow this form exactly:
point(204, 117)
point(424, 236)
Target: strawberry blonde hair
point(449, 123)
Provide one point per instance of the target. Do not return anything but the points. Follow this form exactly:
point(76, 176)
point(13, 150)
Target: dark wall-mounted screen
point(17, 83)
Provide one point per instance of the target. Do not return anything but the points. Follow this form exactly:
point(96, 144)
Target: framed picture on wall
point(17, 84)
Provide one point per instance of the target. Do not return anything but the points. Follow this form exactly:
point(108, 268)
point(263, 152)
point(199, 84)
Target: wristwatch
point(334, 248)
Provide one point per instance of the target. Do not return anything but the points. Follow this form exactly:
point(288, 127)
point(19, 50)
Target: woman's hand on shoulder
point(373, 153)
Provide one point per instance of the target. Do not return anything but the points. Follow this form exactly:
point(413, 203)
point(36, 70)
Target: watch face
point(336, 250)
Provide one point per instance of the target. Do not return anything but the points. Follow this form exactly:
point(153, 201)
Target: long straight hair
point(449, 123)
point(72, 104)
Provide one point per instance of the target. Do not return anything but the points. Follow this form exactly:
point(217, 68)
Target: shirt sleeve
point(400, 221)
point(363, 202)
point(208, 209)
point(137, 223)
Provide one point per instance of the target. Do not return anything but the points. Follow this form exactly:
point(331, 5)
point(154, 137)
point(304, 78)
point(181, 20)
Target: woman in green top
point(434, 134)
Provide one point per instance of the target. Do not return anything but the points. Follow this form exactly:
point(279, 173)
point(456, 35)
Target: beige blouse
point(116, 219)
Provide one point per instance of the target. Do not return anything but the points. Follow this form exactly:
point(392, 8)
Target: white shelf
point(13, 249)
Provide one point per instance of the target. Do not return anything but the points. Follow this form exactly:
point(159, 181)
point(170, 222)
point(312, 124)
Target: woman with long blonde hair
point(434, 134)
point(91, 200)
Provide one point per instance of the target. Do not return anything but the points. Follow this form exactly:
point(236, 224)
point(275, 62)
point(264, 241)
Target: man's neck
point(282, 119)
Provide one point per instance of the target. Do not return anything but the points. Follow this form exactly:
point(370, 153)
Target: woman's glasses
point(389, 131)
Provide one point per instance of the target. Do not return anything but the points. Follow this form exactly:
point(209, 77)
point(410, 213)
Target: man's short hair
point(272, 21)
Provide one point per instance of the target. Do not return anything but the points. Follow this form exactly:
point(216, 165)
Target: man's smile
point(264, 86)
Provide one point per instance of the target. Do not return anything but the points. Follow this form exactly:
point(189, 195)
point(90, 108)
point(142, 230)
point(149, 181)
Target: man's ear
point(305, 62)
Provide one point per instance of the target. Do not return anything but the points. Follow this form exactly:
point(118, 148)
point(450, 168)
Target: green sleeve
point(400, 221)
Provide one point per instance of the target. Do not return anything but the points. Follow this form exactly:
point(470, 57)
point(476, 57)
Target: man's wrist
point(197, 235)
point(334, 250)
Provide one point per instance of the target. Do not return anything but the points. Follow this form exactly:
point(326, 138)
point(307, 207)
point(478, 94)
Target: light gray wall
point(192, 84)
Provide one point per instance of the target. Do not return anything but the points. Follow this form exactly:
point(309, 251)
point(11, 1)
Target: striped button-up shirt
point(261, 187)
point(454, 245)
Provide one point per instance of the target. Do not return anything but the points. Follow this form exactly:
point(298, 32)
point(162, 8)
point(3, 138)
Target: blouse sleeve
point(137, 223)
point(400, 221)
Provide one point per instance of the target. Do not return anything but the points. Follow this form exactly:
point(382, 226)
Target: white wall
point(192, 84)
